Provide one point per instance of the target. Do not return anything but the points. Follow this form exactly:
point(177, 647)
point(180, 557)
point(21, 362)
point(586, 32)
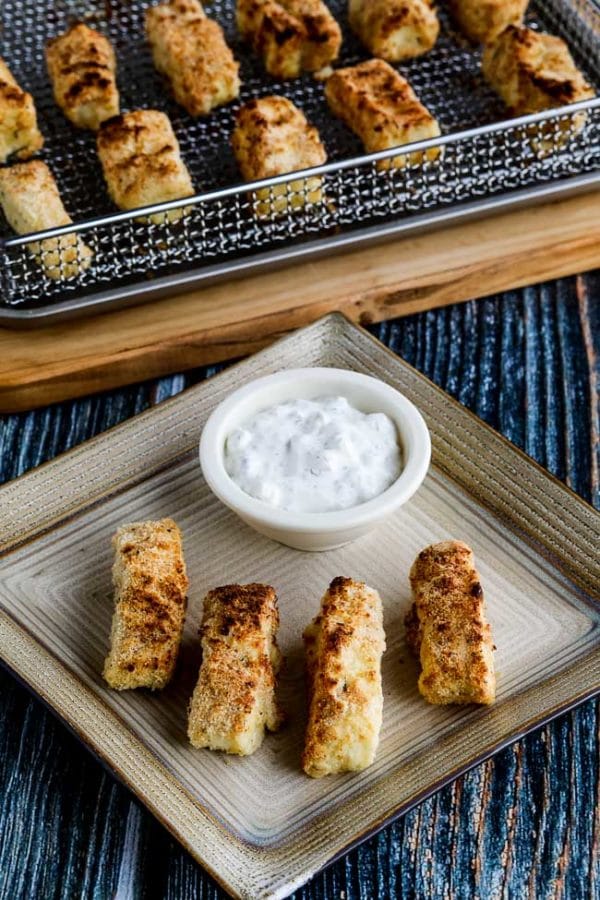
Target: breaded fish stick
point(190, 50)
point(142, 164)
point(82, 67)
point(150, 603)
point(31, 202)
point(483, 20)
point(272, 137)
point(290, 36)
point(382, 109)
point(19, 132)
point(533, 71)
point(344, 646)
point(395, 29)
point(446, 627)
point(234, 700)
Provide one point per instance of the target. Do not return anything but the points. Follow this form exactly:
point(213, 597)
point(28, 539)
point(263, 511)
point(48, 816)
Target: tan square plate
point(258, 824)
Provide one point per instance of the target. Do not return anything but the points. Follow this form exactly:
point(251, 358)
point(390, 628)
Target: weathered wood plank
point(523, 825)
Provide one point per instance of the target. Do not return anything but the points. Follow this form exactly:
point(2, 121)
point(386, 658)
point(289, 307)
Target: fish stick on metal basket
point(380, 106)
point(190, 49)
point(272, 137)
point(142, 164)
point(290, 36)
point(483, 20)
point(31, 201)
point(82, 67)
point(446, 627)
point(19, 132)
point(395, 29)
point(234, 703)
point(344, 646)
point(150, 604)
point(532, 71)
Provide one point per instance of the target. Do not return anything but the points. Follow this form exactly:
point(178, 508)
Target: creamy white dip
point(314, 455)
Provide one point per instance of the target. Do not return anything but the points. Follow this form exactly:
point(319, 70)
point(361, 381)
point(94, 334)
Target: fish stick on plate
point(150, 603)
point(446, 627)
point(234, 703)
point(19, 132)
point(395, 29)
point(344, 646)
point(290, 36)
point(483, 20)
point(190, 49)
point(272, 137)
point(142, 164)
point(380, 106)
point(82, 67)
point(31, 201)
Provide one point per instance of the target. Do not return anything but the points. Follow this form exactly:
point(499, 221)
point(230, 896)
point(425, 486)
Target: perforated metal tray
point(488, 163)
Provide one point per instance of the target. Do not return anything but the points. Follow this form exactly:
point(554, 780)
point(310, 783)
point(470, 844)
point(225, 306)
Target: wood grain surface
point(234, 319)
point(525, 824)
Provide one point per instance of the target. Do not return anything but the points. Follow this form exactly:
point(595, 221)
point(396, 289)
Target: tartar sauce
point(315, 455)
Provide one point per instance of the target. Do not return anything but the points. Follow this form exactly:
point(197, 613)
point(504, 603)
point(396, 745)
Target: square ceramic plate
point(258, 824)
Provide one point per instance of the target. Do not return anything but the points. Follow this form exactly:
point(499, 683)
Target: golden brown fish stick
point(141, 162)
point(290, 36)
point(382, 109)
point(234, 700)
point(395, 29)
point(82, 67)
point(191, 51)
point(150, 603)
point(483, 20)
point(532, 71)
point(31, 202)
point(272, 137)
point(19, 132)
point(446, 627)
point(344, 646)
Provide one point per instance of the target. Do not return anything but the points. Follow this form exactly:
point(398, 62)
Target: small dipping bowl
point(304, 530)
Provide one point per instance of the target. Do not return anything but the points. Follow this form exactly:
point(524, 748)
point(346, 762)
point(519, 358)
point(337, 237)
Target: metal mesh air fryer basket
point(487, 163)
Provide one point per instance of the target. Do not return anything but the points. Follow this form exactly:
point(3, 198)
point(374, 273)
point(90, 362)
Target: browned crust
point(191, 51)
point(19, 132)
point(273, 137)
point(291, 36)
point(533, 71)
point(82, 66)
point(395, 30)
point(380, 106)
point(237, 611)
point(446, 626)
point(150, 603)
point(141, 161)
point(376, 90)
point(483, 20)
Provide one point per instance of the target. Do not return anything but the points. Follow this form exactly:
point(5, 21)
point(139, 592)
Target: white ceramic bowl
point(315, 531)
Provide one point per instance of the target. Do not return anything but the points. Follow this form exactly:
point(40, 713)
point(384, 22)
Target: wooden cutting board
point(233, 319)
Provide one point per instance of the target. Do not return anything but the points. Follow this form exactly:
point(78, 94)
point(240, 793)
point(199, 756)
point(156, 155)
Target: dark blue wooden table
point(525, 824)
